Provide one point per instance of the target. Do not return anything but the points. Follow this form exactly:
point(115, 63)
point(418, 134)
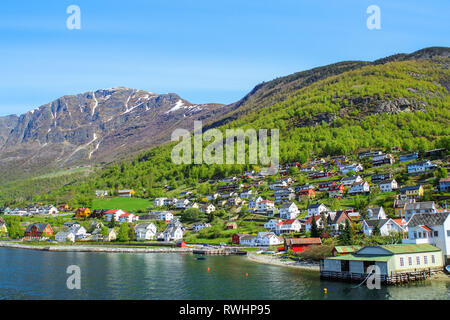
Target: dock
point(219, 251)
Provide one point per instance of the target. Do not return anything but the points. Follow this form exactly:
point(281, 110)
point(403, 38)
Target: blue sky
point(206, 51)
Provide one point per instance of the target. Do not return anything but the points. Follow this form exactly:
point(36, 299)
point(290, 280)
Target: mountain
point(402, 100)
point(95, 127)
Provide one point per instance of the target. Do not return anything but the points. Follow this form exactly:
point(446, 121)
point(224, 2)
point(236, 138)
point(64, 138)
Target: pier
point(219, 251)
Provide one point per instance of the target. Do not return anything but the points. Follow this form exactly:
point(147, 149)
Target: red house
point(301, 244)
point(37, 231)
point(236, 238)
point(181, 244)
point(307, 193)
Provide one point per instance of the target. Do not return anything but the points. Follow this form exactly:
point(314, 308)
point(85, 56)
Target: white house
point(208, 208)
point(101, 193)
point(116, 213)
point(212, 197)
point(359, 187)
point(170, 201)
point(316, 209)
point(376, 213)
point(145, 231)
point(287, 226)
point(431, 228)
point(79, 231)
point(247, 194)
point(159, 202)
point(267, 239)
point(289, 211)
point(127, 217)
point(318, 219)
point(355, 167)
point(386, 226)
point(278, 185)
point(253, 202)
point(248, 241)
point(388, 185)
point(348, 181)
point(264, 206)
point(420, 166)
point(419, 207)
point(173, 231)
point(272, 224)
point(65, 236)
point(182, 203)
point(199, 226)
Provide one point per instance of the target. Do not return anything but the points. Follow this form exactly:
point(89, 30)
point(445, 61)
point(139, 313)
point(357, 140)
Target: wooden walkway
point(393, 278)
point(224, 251)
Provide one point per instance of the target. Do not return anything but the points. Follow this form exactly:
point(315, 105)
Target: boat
point(447, 268)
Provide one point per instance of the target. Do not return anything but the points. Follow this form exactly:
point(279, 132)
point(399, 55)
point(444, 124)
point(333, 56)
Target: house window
point(410, 261)
point(433, 259)
point(402, 262)
point(448, 233)
point(415, 235)
point(436, 233)
point(425, 259)
point(418, 260)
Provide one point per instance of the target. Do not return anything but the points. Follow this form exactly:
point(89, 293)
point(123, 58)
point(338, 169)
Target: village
point(343, 213)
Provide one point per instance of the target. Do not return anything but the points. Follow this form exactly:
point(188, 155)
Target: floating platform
point(224, 252)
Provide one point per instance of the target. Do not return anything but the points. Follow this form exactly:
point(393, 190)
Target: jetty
point(219, 251)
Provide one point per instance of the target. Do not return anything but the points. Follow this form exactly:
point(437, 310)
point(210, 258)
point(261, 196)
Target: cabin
point(236, 238)
point(82, 213)
point(421, 166)
point(301, 244)
point(316, 209)
point(38, 231)
point(386, 226)
point(396, 263)
point(64, 236)
point(231, 225)
point(126, 193)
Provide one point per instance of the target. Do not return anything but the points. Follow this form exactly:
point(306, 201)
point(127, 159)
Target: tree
point(376, 230)
point(131, 233)
point(123, 234)
point(113, 222)
point(104, 232)
point(191, 215)
point(441, 173)
point(314, 229)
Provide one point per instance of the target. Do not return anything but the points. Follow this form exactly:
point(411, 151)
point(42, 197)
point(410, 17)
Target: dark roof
point(315, 205)
point(419, 205)
point(40, 226)
point(410, 188)
point(373, 222)
point(428, 219)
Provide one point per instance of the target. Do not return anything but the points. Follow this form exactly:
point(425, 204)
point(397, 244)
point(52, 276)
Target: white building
point(287, 226)
point(316, 209)
point(348, 181)
point(421, 166)
point(253, 202)
point(182, 203)
point(359, 187)
point(199, 226)
point(419, 207)
point(272, 224)
point(267, 239)
point(388, 185)
point(431, 228)
point(265, 205)
point(289, 211)
point(145, 231)
point(386, 226)
point(65, 236)
point(159, 202)
point(208, 208)
point(376, 213)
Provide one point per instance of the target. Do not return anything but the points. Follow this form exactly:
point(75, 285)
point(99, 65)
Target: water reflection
point(28, 274)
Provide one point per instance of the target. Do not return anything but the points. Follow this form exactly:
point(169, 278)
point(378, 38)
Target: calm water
point(28, 274)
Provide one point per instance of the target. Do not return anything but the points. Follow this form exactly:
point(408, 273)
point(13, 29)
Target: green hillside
point(401, 104)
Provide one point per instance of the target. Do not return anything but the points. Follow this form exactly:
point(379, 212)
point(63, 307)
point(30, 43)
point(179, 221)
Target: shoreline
point(81, 248)
point(266, 259)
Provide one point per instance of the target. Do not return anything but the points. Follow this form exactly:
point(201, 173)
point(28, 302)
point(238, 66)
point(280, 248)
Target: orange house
point(82, 213)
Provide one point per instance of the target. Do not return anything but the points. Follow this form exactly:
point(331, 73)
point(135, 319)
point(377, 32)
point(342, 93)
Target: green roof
point(409, 248)
point(347, 249)
point(353, 257)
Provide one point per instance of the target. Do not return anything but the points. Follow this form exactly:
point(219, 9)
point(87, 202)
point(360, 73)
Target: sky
point(205, 51)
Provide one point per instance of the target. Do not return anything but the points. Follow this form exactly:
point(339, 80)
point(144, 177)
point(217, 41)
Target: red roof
point(265, 201)
point(303, 241)
point(426, 228)
point(309, 220)
point(286, 222)
point(115, 211)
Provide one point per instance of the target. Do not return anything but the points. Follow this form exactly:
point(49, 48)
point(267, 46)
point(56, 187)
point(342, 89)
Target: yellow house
point(3, 229)
point(128, 193)
point(412, 191)
point(82, 213)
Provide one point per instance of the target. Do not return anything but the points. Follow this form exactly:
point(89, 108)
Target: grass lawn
point(127, 204)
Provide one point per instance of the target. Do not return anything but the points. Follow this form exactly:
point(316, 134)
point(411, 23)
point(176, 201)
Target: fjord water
point(30, 274)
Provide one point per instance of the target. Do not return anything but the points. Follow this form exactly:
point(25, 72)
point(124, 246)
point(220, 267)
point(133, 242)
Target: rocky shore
point(274, 260)
point(88, 248)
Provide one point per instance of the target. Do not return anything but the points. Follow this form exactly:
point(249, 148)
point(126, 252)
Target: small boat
point(447, 269)
point(202, 257)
